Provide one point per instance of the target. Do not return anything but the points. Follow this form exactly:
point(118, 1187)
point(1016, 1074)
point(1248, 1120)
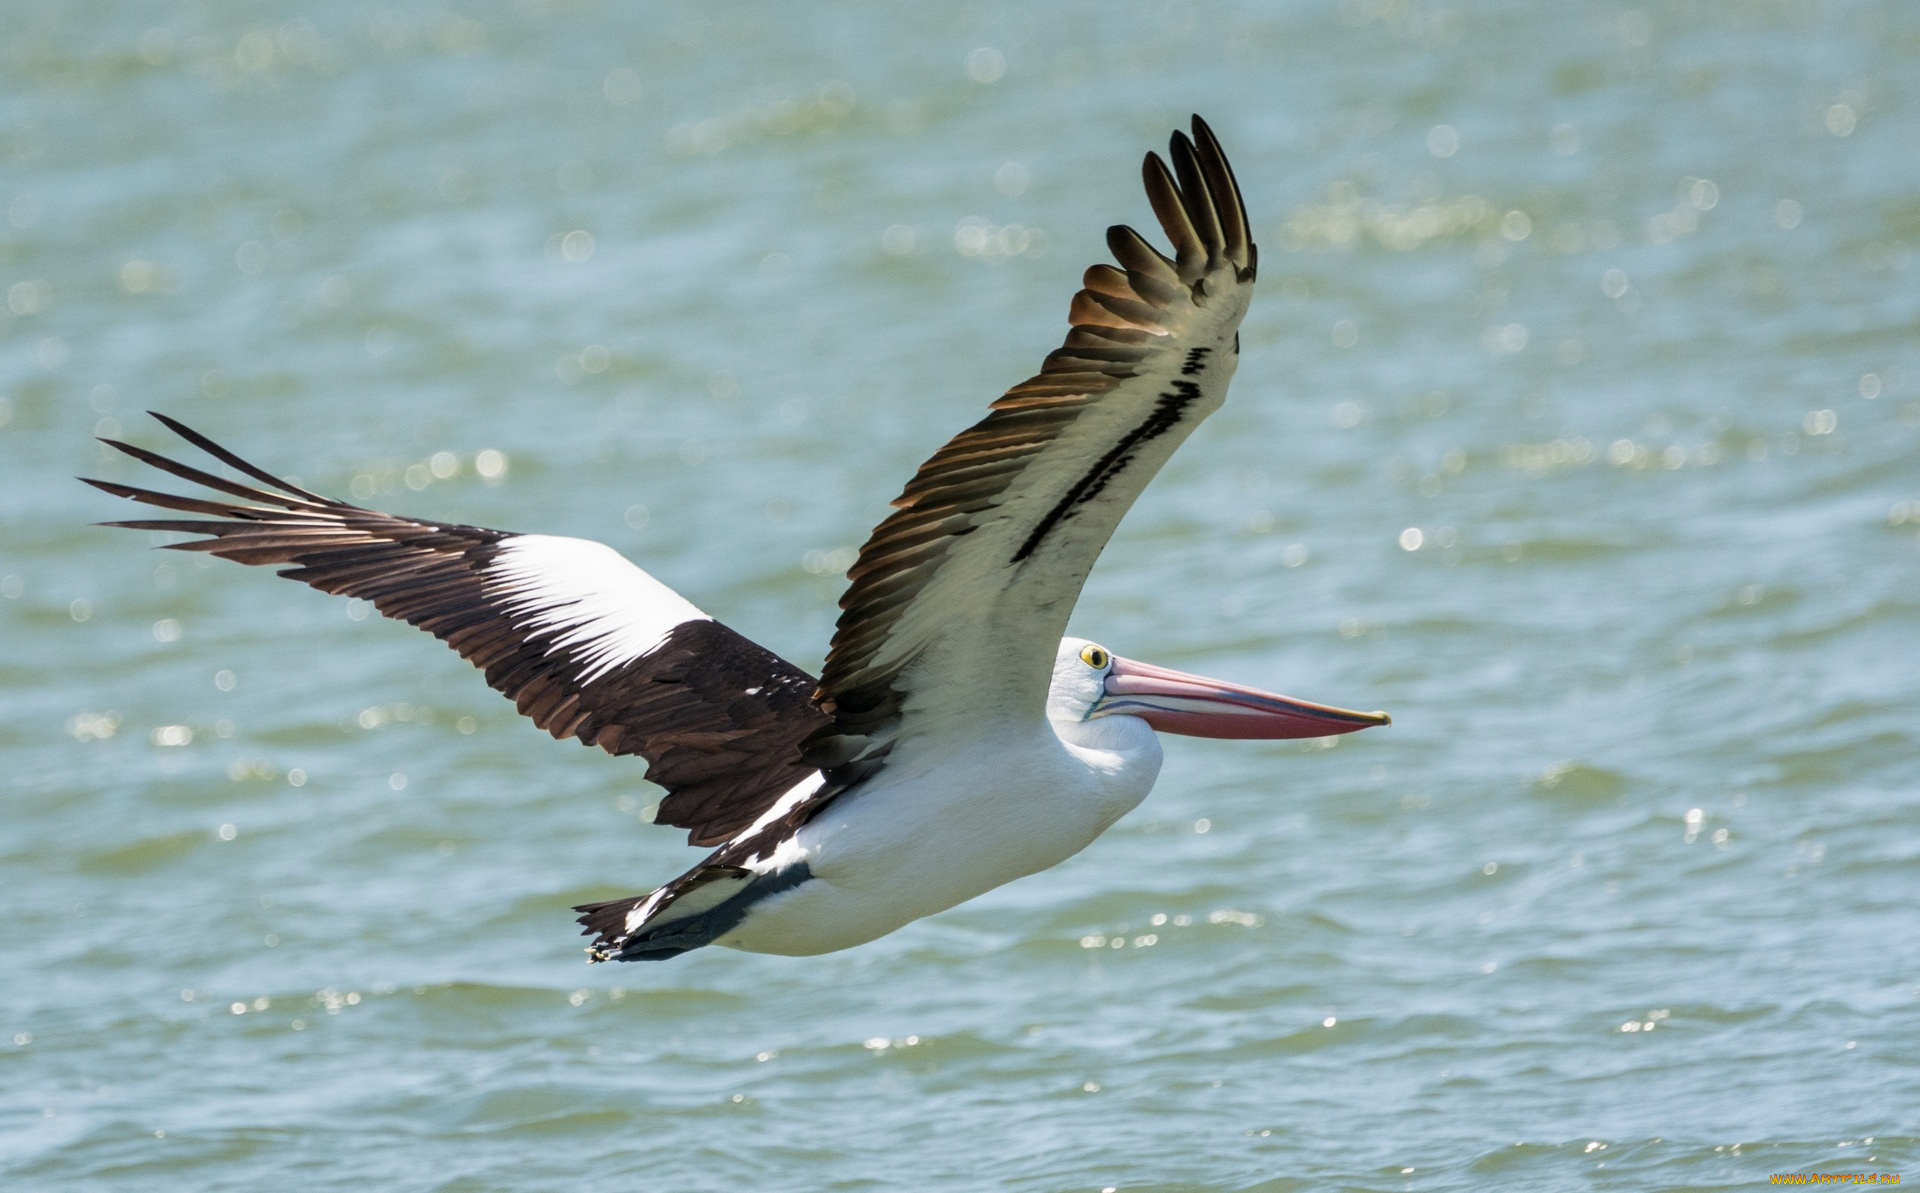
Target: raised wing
point(583, 642)
point(960, 597)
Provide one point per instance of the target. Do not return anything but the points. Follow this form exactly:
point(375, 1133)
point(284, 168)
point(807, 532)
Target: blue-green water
point(1608, 313)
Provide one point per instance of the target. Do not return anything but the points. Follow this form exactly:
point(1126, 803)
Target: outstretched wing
point(959, 599)
point(583, 642)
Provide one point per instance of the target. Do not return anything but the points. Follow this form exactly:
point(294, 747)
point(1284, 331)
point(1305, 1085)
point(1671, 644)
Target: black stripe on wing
point(560, 626)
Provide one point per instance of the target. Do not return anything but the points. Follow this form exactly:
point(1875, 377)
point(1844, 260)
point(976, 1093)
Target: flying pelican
point(955, 740)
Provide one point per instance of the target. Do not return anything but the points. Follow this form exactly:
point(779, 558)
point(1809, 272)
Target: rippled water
point(1577, 426)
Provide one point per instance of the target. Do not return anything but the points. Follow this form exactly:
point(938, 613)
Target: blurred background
point(1576, 426)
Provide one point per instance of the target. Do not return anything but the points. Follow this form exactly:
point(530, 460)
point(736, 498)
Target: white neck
point(1121, 752)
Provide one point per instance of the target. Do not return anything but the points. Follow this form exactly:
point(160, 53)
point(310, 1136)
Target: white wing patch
point(611, 611)
point(785, 852)
point(788, 801)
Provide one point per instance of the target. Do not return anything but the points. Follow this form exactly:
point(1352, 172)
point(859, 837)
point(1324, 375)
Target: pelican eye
point(1095, 658)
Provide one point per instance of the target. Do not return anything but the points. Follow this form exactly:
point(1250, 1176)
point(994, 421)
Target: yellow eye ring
point(1095, 658)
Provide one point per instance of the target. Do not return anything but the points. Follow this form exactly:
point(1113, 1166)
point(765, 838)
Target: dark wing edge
point(585, 644)
point(1122, 319)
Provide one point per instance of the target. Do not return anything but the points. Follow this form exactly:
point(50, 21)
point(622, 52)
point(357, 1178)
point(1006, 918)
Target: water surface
point(1576, 426)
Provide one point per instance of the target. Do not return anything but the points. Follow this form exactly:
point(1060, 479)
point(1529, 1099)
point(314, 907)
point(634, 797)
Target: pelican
point(955, 740)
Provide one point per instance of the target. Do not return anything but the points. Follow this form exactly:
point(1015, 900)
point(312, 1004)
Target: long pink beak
point(1175, 702)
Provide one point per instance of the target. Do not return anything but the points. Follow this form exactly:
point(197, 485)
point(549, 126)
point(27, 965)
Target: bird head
point(1090, 682)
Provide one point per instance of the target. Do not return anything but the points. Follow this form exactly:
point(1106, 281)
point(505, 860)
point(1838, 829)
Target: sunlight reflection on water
point(1575, 424)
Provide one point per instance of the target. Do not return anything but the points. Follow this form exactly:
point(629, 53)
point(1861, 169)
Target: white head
point(1079, 680)
point(1090, 682)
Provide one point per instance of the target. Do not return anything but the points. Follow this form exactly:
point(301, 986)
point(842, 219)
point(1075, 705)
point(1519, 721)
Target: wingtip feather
point(1163, 194)
point(1197, 196)
point(1227, 200)
point(225, 456)
point(113, 487)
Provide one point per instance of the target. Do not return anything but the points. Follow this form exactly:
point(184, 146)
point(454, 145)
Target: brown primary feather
point(1221, 182)
point(1195, 199)
point(1190, 252)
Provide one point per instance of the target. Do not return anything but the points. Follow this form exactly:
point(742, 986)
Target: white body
point(947, 820)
